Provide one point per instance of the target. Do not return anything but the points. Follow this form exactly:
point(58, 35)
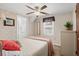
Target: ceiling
point(52, 8)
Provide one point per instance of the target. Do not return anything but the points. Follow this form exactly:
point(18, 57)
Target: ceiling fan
point(37, 10)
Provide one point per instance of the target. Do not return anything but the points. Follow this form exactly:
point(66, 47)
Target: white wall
point(7, 32)
point(11, 32)
point(59, 25)
point(60, 20)
point(31, 25)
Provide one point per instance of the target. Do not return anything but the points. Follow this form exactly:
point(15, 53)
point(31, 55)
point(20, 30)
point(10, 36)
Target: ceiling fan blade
point(29, 13)
point(43, 7)
point(29, 7)
point(44, 13)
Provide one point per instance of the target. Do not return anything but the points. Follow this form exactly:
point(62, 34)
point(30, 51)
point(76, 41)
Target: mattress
point(30, 47)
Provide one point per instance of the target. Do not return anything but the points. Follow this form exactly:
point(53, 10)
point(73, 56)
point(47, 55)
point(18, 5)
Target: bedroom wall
point(60, 20)
point(7, 32)
point(59, 25)
point(31, 25)
point(11, 32)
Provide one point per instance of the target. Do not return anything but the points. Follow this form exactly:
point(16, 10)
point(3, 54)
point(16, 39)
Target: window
point(48, 26)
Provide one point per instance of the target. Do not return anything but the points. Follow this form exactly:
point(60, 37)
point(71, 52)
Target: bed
point(34, 47)
point(30, 47)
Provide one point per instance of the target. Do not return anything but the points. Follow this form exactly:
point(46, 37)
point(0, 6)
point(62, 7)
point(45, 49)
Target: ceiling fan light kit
point(37, 10)
point(37, 13)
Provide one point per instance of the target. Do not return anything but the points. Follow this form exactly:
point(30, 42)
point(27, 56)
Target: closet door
point(77, 27)
point(22, 27)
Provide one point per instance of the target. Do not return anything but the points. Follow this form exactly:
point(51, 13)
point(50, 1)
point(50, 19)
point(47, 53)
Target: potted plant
point(68, 25)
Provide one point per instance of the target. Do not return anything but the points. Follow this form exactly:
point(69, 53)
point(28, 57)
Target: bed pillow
point(17, 42)
point(10, 45)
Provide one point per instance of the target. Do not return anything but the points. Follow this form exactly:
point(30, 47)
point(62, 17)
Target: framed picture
point(9, 22)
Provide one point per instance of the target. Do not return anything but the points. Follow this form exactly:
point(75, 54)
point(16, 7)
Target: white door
point(21, 27)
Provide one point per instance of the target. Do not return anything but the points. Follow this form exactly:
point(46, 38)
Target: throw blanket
point(50, 46)
point(9, 45)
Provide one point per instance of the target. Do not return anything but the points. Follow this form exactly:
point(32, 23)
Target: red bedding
point(10, 45)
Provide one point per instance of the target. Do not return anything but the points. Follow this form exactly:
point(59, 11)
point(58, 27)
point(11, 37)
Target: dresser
point(68, 43)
